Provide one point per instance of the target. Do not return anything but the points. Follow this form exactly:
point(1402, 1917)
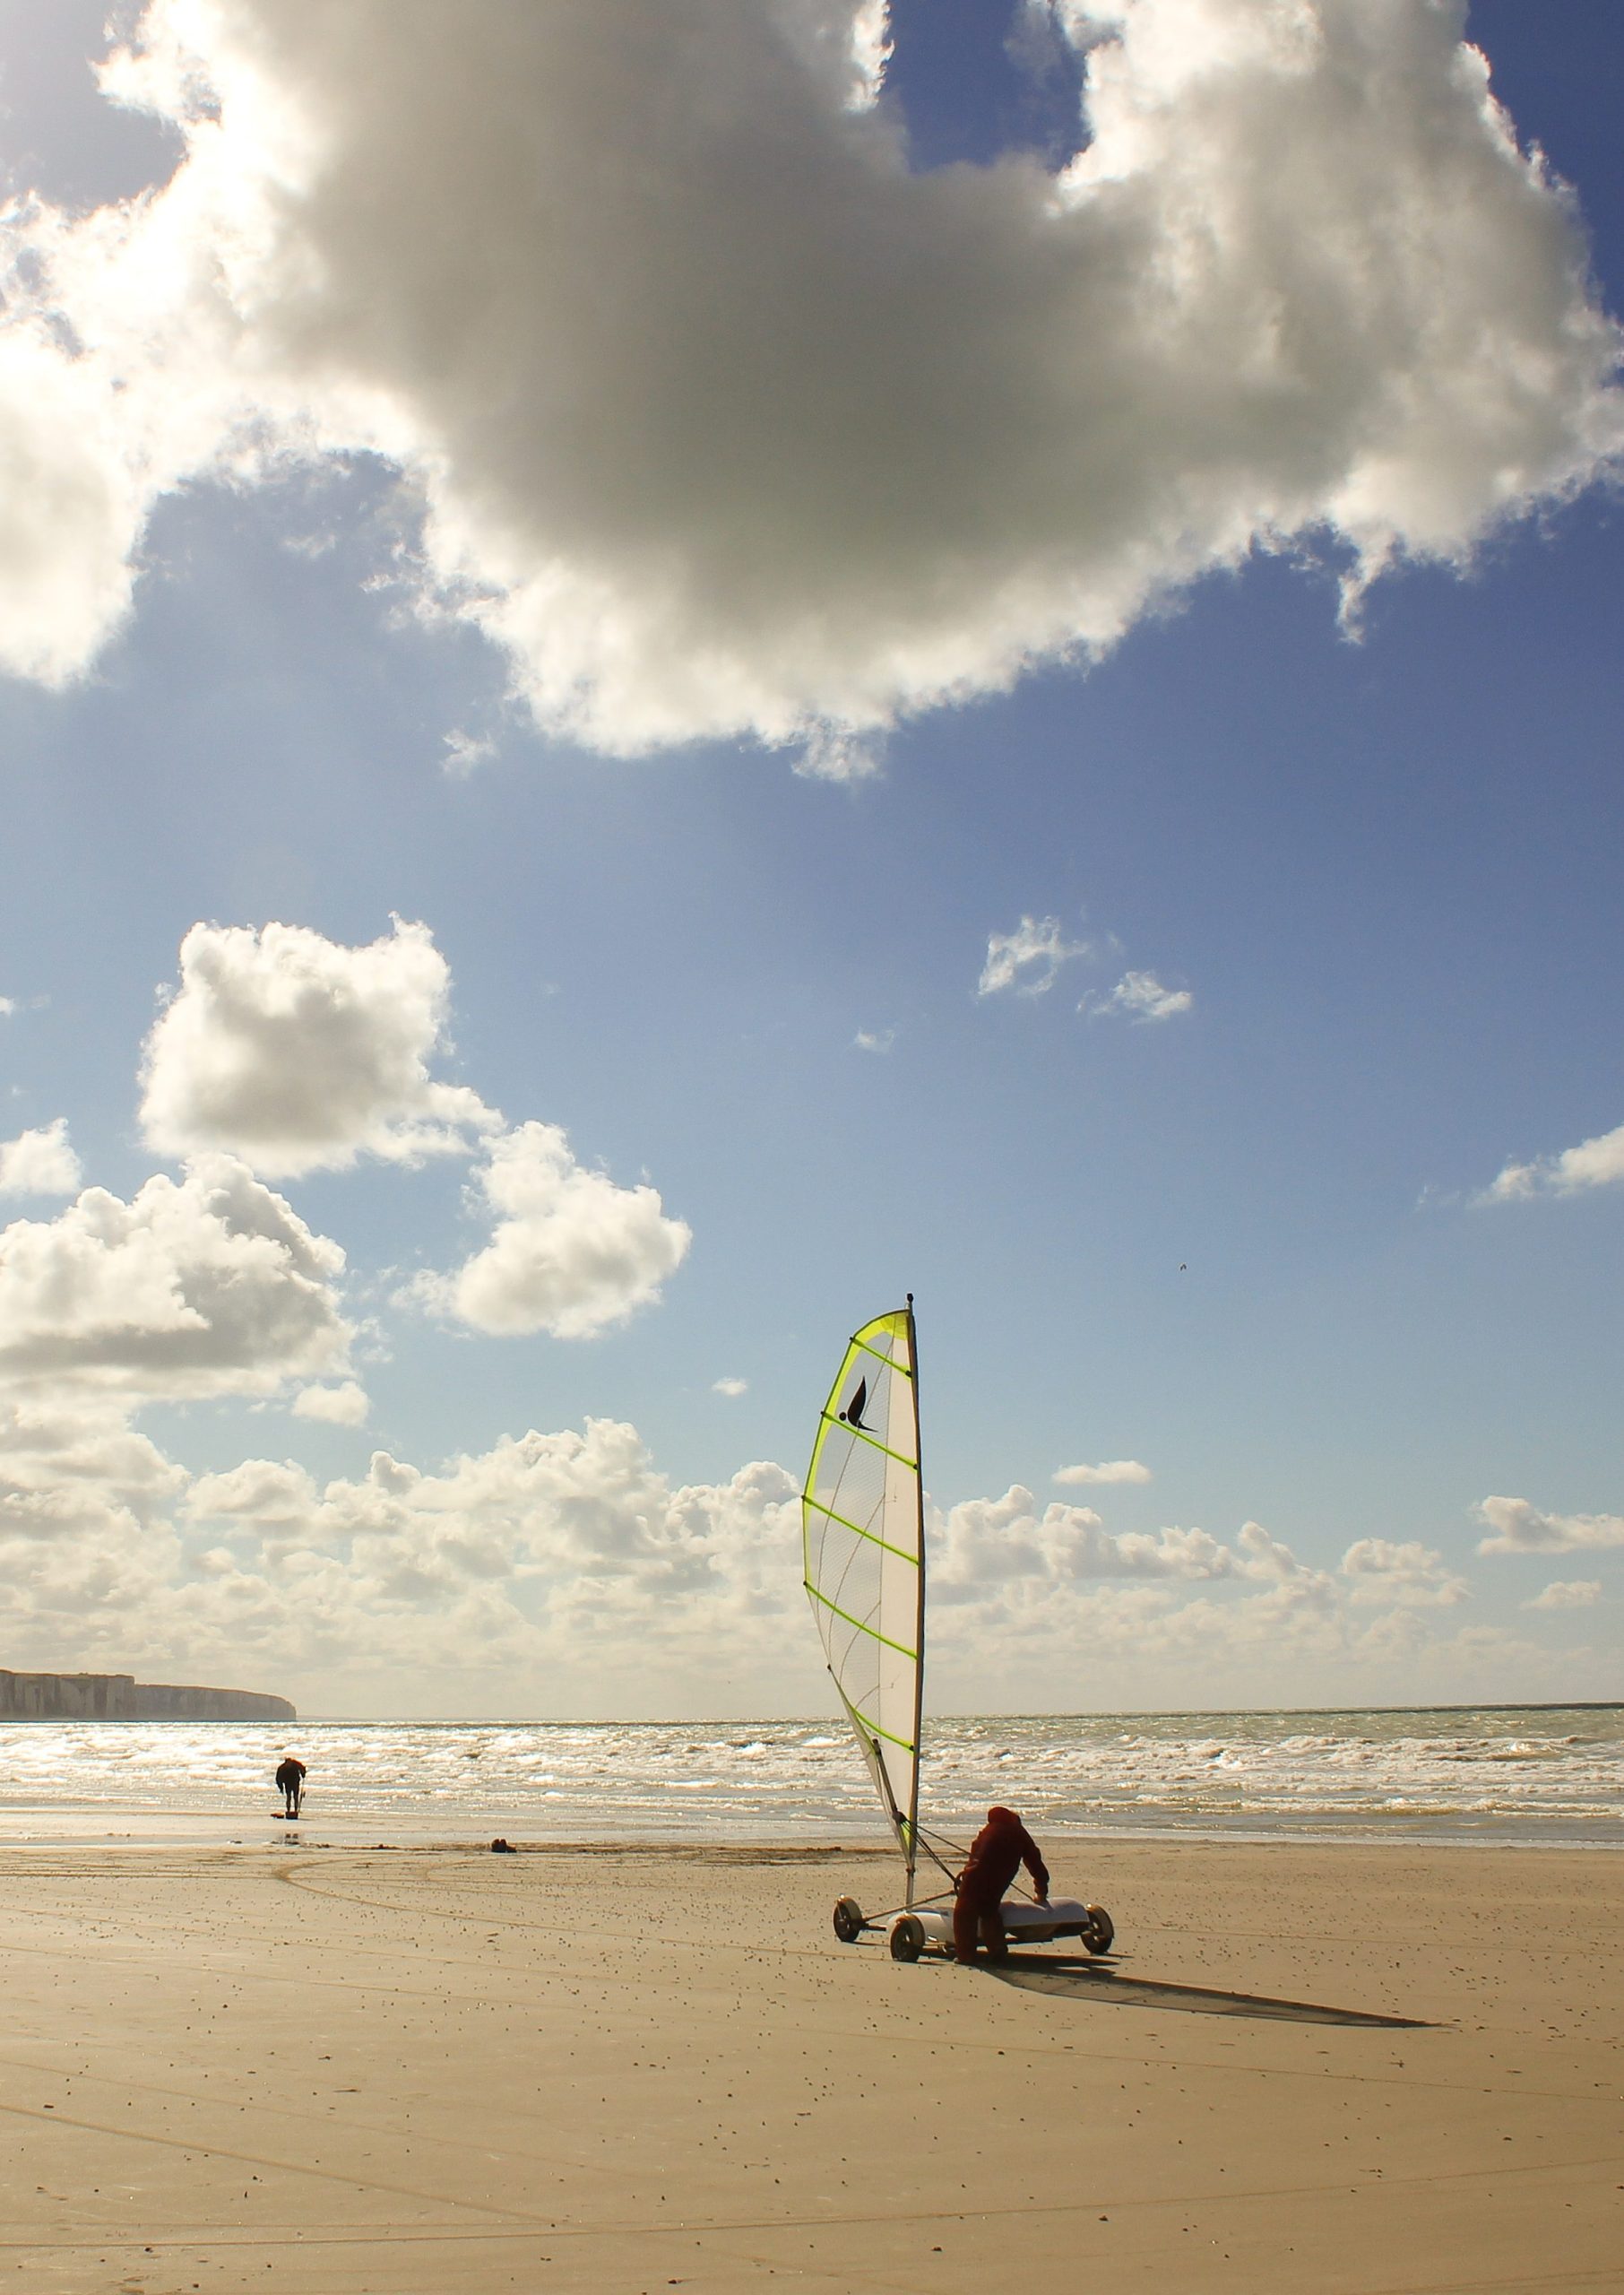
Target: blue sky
point(1243, 1243)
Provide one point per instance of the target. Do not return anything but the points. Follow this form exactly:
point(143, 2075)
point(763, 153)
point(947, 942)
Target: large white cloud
point(570, 1551)
point(41, 1162)
point(1519, 1527)
point(988, 1544)
point(298, 1053)
point(571, 1252)
point(1388, 1571)
point(208, 1286)
point(724, 421)
point(1593, 1163)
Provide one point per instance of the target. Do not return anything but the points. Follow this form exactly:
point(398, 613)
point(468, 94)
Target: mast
point(918, 1636)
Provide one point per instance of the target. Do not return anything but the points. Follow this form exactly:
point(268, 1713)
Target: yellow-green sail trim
point(874, 1729)
point(863, 1436)
point(818, 1507)
point(889, 1360)
point(857, 1626)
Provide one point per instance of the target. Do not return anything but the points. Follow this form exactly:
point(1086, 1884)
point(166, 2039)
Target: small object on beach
point(500, 1847)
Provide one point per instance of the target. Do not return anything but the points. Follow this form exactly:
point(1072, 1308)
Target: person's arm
point(1035, 1865)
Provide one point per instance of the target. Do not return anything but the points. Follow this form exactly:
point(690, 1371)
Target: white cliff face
point(120, 1697)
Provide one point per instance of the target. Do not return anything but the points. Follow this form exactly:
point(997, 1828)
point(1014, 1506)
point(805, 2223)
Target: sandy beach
point(334, 2072)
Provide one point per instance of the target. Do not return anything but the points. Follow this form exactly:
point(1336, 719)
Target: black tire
point(907, 1938)
point(848, 1921)
point(1100, 1933)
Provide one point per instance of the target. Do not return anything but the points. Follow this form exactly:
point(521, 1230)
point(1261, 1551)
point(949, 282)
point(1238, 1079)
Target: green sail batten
point(874, 1729)
point(862, 1436)
point(857, 1626)
point(885, 1544)
point(890, 1362)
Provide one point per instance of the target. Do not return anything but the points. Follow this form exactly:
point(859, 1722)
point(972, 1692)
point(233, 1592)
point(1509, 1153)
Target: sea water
point(1483, 1773)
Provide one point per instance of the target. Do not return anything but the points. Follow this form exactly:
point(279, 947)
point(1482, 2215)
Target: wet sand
point(438, 2072)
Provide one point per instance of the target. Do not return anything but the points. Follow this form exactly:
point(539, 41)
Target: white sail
point(862, 1533)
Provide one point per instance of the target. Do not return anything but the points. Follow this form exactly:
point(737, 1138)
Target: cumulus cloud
point(208, 1285)
point(571, 1548)
point(1142, 997)
point(1027, 960)
point(1409, 1574)
point(725, 422)
point(875, 1039)
point(39, 1163)
point(299, 1054)
point(1567, 1593)
point(1593, 1163)
point(572, 1252)
point(1519, 1527)
point(731, 1388)
point(570, 1563)
point(344, 1405)
point(988, 1541)
point(72, 1467)
point(1109, 1470)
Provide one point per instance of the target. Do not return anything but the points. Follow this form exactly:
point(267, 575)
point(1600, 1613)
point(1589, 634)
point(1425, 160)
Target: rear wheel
point(848, 1921)
point(1101, 1932)
point(907, 1938)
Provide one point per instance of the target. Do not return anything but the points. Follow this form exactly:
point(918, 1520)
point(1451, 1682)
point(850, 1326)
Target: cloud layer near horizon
point(726, 422)
point(567, 1567)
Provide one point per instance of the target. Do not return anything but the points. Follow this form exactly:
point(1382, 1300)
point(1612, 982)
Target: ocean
point(1483, 1773)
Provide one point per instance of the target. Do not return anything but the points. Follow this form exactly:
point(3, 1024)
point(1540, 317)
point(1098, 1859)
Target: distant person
point(291, 1784)
point(997, 1855)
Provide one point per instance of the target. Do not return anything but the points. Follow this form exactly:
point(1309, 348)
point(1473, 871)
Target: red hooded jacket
point(996, 1856)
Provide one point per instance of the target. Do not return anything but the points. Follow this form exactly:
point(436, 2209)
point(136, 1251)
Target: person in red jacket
point(997, 1855)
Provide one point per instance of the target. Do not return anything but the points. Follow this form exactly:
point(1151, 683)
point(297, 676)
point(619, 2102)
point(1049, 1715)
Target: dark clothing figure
point(291, 1785)
point(997, 1855)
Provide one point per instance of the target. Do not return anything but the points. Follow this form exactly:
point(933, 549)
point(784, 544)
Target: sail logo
point(853, 1414)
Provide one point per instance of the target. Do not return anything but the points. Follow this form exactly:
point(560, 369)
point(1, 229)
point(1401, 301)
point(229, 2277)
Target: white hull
point(1024, 1924)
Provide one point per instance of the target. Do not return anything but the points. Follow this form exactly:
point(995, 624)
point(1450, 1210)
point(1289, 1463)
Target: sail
point(861, 1532)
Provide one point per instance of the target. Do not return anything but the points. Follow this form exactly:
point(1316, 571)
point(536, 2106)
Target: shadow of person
point(1094, 1983)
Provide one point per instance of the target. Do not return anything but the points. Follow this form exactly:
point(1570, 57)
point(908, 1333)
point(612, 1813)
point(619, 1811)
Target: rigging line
point(1017, 1887)
point(936, 1860)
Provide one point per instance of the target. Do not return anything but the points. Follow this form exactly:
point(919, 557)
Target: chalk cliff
point(120, 1697)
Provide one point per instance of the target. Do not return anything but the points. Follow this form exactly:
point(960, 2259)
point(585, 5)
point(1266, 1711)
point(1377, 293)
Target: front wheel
point(907, 1938)
point(1098, 1937)
point(848, 1921)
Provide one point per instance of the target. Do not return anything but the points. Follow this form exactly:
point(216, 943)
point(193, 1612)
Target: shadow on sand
point(1095, 1983)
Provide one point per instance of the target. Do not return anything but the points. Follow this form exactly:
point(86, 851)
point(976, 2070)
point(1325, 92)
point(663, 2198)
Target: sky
point(666, 673)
